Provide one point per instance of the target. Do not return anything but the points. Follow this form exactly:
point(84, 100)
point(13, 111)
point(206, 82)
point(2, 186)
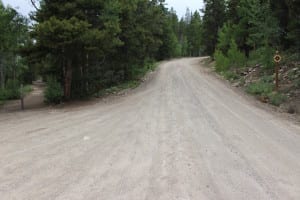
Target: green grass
point(276, 98)
point(230, 75)
point(259, 88)
point(1, 103)
point(265, 89)
point(118, 88)
point(123, 86)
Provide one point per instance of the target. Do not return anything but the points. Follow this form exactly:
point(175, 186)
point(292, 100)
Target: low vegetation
point(246, 43)
point(150, 66)
point(54, 91)
point(13, 91)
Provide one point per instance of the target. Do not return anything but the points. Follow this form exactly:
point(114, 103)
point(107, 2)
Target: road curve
point(183, 136)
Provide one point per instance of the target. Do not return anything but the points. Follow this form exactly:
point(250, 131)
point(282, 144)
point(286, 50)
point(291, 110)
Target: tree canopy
point(87, 45)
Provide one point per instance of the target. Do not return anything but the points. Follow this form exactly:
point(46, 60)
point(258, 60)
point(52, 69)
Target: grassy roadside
point(258, 81)
point(130, 84)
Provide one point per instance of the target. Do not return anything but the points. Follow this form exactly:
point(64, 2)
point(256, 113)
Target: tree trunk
point(2, 79)
point(68, 79)
point(86, 71)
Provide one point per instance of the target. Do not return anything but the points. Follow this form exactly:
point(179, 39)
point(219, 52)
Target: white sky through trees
point(24, 6)
point(181, 5)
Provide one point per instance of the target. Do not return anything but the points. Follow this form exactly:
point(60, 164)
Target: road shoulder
point(205, 66)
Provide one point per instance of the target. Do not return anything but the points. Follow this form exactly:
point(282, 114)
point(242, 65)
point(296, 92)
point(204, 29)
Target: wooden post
point(277, 59)
point(277, 76)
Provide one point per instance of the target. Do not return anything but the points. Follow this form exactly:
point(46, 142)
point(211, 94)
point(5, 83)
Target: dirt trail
point(33, 100)
point(182, 136)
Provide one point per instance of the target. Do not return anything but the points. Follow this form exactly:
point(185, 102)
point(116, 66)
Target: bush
point(260, 88)
point(230, 75)
point(12, 89)
point(254, 58)
point(54, 92)
point(263, 56)
point(264, 88)
point(276, 98)
point(150, 65)
point(235, 56)
point(267, 79)
point(139, 71)
point(222, 62)
point(3, 94)
point(225, 36)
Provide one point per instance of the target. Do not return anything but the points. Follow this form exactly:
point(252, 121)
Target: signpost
point(277, 59)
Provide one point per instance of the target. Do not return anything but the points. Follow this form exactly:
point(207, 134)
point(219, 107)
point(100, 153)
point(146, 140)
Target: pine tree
point(293, 27)
point(194, 34)
point(74, 32)
point(231, 11)
point(13, 35)
point(213, 19)
point(225, 36)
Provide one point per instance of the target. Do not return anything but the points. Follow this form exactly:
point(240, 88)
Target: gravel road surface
point(184, 135)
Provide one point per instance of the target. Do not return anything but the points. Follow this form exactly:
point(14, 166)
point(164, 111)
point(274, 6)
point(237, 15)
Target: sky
point(24, 6)
point(181, 5)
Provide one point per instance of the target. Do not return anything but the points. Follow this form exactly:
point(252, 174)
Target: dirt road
point(184, 136)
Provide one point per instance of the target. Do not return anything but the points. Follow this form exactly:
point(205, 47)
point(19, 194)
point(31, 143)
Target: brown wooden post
point(277, 76)
point(277, 59)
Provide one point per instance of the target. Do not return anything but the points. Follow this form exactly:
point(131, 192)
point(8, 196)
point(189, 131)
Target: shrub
point(12, 89)
point(150, 64)
point(225, 36)
point(260, 88)
point(276, 98)
point(139, 71)
point(263, 56)
point(267, 79)
point(264, 88)
point(222, 62)
point(254, 58)
point(230, 75)
point(3, 94)
point(53, 92)
point(235, 56)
